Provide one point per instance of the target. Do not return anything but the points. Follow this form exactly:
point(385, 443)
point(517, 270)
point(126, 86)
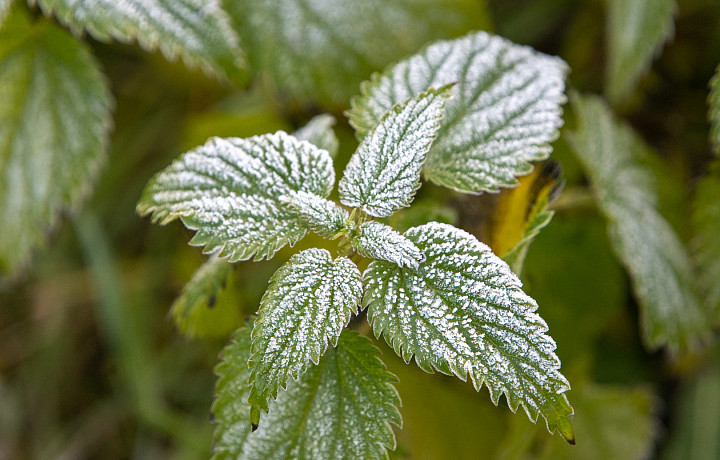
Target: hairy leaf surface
point(463, 312)
point(198, 30)
point(384, 173)
point(319, 132)
point(324, 217)
point(636, 30)
point(229, 191)
point(714, 112)
point(309, 301)
point(642, 239)
point(341, 409)
point(706, 222)
point(322, 50)
point(54, 124)
point(207, 307)
point(380, 241)
point(505, 109)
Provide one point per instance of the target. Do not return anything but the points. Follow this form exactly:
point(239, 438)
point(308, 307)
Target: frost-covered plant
point(469, 114)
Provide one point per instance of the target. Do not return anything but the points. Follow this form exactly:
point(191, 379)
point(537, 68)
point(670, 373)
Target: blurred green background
point(92, 365)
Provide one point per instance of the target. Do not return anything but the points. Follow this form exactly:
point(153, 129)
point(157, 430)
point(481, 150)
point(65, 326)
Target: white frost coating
point(319, 131)
point(643, 240)
point(463, 312)
point(380, 241)
point(341, 408)
point(323, 216)
point(308, 303)
point(197, 30)
point(384, 173)
point(229, 191)
point(505, 110)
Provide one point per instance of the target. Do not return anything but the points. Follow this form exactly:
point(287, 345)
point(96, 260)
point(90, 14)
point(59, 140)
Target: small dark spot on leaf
point(254, 426)
point(212, 301)
point(212, 417)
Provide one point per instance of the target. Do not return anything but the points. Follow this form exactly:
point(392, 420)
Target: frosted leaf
point(340, 409)
point(198, 30)
point(384, 173)
point(319, 132)
point(505, 109)
point(636, 30)
point(380, 241)
point(659, 266)
point(320, 50)
point(207, 307)
point(309, 301)
point(54, 124)
point(706, 254)
point(229, 191)
point(324, 217)
point(714, 113)
point(463, 312)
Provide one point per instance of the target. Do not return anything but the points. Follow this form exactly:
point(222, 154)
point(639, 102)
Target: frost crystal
point(463, 312)
point(229, 191)
point(341, 408)
point(309, 301)
point(323, 216)
point(384, 173)
point(644, 241)
point(505, 109)
point(380, 241)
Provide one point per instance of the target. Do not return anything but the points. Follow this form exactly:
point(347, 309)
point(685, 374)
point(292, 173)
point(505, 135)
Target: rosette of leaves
point(297, 386)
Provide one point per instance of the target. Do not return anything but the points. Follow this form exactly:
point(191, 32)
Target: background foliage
point(91, 363)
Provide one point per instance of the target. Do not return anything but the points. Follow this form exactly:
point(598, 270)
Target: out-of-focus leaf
point(229, 191)
point(505, 109)
point(309, 301)
point(695, 428)
point(321, 50)
point(208, 305)
point(636, 30)
point(54, 125)
point(706, 224)
point(198, 30)
point(714, 112)
point(319, 131)
point(642, 239)
point(306, 422)
point(611, 422)
point(4, 10)
point(463, 312)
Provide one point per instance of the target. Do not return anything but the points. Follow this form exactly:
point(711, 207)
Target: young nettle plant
point(469, 114)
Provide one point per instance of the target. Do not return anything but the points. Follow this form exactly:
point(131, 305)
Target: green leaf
point(229, 191)
point(463, 312)
point(197, 30)
point(380, 241)
point(636, 30)
point(340, 409)
point(321, 51)
point(54, 124)
point(505, 109)
point(309, 301)
point(384, 173)
point(206, 306)
point(642, 239)
point(323, 216)
point(706, 254)
point(714, 112)
point(319, 132)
